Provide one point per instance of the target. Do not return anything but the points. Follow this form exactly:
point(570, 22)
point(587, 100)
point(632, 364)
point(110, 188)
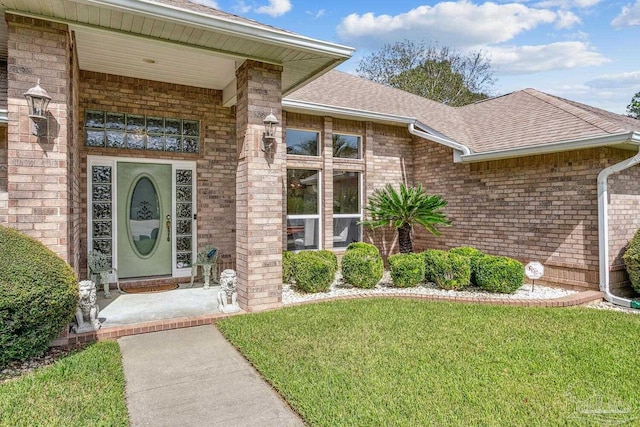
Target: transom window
point(346, 208)
point(139, 132)
point(302, 142)
point(347, 146)
point(303, 209)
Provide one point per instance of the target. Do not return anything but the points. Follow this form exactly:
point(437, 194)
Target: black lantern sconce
point(38, 101)
point(269, 135)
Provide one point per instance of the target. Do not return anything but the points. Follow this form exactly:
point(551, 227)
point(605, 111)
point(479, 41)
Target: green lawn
point(83, 389)
point(411, 363)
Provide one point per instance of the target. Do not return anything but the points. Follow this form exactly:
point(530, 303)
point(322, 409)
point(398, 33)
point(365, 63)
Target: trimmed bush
point(473, 254)
point(362, 245)
point(447, 270)
point(407, 270)
point(38, 296)
point(499, 274)
point(287, 266)
point(631, 259)
point(313, 272)
point(362, 268)
point(329, 256)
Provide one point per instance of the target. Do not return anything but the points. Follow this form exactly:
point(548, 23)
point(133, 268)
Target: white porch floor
point(126, 309)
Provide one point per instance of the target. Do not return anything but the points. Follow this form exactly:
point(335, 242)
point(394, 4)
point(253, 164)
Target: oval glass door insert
point(144, 216)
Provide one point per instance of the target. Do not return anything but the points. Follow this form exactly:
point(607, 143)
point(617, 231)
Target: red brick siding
point(37, 167)
point(259, 186)
point(216, 161)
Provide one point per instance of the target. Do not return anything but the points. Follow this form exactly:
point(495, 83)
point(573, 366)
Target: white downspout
point(603, 230)
point(462, 149)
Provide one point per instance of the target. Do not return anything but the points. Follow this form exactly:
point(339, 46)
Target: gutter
point(460, 150)
point(313, 108)
point(603, 226)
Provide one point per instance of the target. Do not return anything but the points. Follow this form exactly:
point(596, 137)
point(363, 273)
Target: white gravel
point(339, 289)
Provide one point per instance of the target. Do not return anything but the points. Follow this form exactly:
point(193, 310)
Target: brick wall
point(216, 161)
point(540, 208)
point(624, 221)
point(259, 184)
point(37, 180)
point(4, 194)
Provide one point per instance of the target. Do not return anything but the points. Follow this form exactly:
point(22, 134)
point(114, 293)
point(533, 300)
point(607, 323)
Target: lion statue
point(228, 292)
point(87, 311)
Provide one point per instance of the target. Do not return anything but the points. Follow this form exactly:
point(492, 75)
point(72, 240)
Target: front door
point(144, 238)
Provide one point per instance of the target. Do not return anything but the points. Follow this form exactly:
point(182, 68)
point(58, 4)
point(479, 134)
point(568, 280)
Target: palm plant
point(404, 209)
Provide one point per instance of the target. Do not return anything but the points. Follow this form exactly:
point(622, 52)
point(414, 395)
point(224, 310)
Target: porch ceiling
point(181, 42)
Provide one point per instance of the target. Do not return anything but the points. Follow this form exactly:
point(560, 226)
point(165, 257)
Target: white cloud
point(458, 24)
point(567, 19)
point(567, 4)
point(628, 17)
point(535, 59)
point(629, 80)
point(316, 15)
point(210, 3)
point(241, 7)
point(275, 8)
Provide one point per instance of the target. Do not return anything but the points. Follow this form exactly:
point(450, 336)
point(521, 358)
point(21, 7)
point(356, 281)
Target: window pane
point(346, 146)
point(302, 142)
point(346, 192)
point(302, 234)
point(345, 231)
point(302, 192)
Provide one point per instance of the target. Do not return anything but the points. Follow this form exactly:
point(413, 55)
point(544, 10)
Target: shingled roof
point(525, 118)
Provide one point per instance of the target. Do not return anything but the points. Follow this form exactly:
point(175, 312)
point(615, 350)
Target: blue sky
point(584, 50)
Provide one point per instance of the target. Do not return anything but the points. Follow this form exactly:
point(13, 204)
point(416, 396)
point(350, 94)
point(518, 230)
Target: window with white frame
point(303, 209)
point(346, 208)
point(347, 146)
point(302, 142)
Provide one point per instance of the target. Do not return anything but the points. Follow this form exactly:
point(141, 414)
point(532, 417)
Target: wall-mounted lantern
point(269, 135)
point(38, 101)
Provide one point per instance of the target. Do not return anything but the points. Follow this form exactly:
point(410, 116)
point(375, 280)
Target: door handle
point(168, 224)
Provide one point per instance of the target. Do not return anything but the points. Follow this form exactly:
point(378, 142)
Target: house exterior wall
point(537, 208)
point(36, 199)
point(216, 161)
point(624, 221)
point(387, 157)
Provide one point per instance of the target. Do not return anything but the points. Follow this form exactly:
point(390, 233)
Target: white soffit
point(119, 54)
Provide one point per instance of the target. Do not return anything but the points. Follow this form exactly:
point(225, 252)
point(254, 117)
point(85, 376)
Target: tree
point(633, 109)
point(404, 209)
point(441, 74)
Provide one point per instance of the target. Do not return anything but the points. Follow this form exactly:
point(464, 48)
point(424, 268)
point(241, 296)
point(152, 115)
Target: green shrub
point(473, 254)
point(362, 268)
point(287, 266)
point(362, 245)
point(406, 269)
point(447, 270)
point(38, 296)
point(499, 274)
point(329, 256)
point(313, 272)
point(632, 261)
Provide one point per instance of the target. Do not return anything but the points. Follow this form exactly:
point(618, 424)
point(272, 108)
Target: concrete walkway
point(194, 377)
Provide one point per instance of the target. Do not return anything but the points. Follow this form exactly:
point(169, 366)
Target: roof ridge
point(581, 113)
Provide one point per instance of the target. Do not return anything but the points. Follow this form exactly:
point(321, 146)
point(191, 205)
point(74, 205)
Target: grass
point(404, 362)
point(82, 389)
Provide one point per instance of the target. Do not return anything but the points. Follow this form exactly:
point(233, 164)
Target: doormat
point(149, 289)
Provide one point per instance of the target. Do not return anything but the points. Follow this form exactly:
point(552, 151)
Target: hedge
point(362, 268)
point(631, 259)
point(499, 274)
point(365, 246)
point(313, 272)
point(406, 270)
point(287, 266)
point(473, 254)
point(447, 270)
point(38, 296)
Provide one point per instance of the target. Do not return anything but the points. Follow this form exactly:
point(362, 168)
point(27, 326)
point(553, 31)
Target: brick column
point(37, 178)
point(327, 184)
point(259, 188)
